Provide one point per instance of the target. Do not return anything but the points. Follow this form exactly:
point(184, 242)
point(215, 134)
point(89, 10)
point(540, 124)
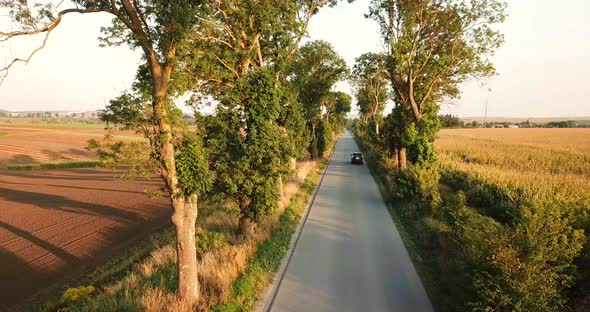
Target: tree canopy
point(370, 79)
point(432, 47)
point(314, 71)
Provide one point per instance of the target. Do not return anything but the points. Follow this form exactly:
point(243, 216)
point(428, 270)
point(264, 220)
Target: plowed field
point(30, 144)
point(56, 224)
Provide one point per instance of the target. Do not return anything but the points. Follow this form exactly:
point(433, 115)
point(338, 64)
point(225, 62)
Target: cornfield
point(550, 164)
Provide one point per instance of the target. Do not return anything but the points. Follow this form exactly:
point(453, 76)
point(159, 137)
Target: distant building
point(513, 126)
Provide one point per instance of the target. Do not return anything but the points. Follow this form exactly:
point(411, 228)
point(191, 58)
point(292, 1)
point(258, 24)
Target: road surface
point(350, 256)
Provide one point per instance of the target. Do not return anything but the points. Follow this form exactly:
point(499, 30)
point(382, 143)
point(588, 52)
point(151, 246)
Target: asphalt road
point(350, 256)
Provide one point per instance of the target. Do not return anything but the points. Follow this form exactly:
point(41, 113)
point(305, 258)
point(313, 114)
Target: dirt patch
point(56, 224)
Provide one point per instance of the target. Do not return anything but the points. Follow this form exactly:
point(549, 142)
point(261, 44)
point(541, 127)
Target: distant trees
point(370, 79)
point(450, 121)
point(314, 71)
point(562, 124)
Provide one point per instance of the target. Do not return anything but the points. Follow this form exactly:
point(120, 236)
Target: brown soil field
point(58, 224)
point(31, 144)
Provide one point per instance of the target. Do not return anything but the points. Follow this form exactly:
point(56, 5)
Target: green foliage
point(420, 137)
point(316, 68)
point(485, 247)
point(62, 165)
point(337, 105)
point(432, 49)
point(291, 118)
point(503, 204)
point(562, 124)
point(526, 268)
point(313, 73)
point(246, 143)
point(418, 184)
point(207, 241)
point(192, 166)
point(78, 293)
point(450, 121)
point(370, 79)
point(324, 137)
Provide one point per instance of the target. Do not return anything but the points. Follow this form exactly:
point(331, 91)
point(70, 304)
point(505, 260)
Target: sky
point(543, 68)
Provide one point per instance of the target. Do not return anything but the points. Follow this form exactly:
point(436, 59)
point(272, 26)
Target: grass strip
point(116, 268)
point(56, 123)
point(59, 165)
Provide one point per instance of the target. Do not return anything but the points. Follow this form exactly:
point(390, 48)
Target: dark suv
point(356, 158)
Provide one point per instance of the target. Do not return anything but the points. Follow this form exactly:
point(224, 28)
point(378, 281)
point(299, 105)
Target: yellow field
point(550, 163)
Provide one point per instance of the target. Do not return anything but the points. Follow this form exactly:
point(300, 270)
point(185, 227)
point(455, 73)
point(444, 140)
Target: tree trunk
point(184, 219)
point(392, 151)
point(247, 224)
point(402, 162)
point(376, 127)
point(185, 207)
point(280, 189)
point(314, 142)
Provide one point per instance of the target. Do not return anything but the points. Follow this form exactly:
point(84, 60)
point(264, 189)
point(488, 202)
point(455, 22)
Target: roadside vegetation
point(60, 165)
point(234, 270)
point(492, 223)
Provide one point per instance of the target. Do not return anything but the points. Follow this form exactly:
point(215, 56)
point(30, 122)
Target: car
point(356, 158)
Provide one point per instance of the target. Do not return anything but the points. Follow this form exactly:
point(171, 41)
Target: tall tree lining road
point(350, 256)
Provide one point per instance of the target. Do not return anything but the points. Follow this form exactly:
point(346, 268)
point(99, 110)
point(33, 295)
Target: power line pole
point(485, 118)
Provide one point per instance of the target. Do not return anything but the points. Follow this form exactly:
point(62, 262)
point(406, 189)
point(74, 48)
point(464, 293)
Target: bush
point(418, 184)
point(74, 294)
point(207, 241)
point(523, 268)
point(504, 204)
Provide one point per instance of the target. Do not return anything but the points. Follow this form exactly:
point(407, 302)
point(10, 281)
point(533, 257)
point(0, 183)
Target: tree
point(241, 35)
point(370, 78)
point(315, 70)
point(159, 29)
point(337, 105)
point(450, 121)
point(245, 42)
point(248, 151)
point(433, 46)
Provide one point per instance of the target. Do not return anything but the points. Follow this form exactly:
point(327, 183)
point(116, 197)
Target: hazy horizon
point(543, 67)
